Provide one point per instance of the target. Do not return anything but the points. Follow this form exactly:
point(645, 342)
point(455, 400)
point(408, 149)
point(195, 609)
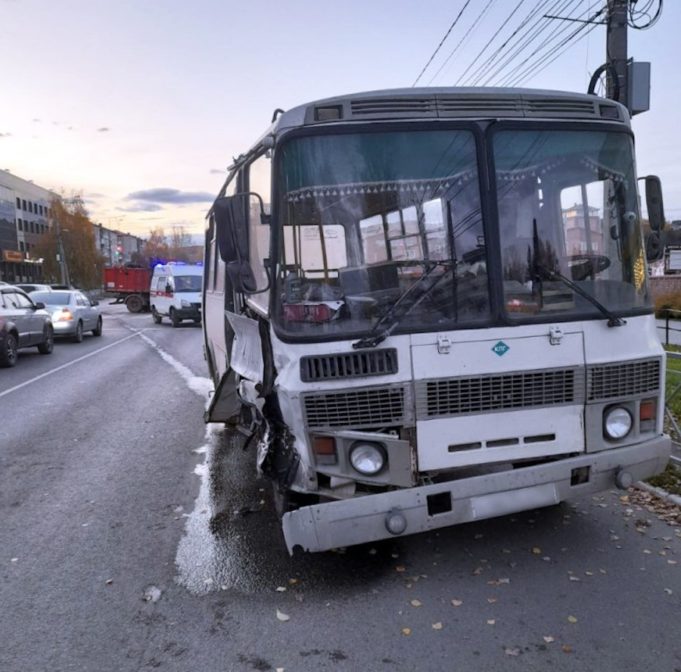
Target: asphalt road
point(132, 537)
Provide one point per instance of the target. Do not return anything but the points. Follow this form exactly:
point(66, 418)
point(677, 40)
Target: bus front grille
point(362, 408)
point(623, 379)
point(348, 365)
point(492, 393)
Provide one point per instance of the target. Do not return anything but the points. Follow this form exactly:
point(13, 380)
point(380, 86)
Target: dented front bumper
point(363, 519)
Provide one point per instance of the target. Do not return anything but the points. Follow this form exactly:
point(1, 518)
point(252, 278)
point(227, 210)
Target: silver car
point(72, 312)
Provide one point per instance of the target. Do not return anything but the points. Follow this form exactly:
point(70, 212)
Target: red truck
point(129, 285)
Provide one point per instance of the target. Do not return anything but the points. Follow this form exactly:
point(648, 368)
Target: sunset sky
point(141, 104)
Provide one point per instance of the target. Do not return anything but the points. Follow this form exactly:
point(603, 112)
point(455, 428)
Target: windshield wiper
point(613, 320)
point(374, 337)
point(540, 270)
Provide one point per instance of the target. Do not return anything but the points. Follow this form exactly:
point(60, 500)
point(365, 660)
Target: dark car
point(23, 324)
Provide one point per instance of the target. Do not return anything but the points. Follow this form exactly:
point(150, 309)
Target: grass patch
point(669, 480)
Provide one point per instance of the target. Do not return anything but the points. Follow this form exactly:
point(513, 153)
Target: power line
point(477, 74)
point(539, 27)
point(439, 46)
point(552, 37)
point(466, 36)
point(546, 59)
point(482, 51)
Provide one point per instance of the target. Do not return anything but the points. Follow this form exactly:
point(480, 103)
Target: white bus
point(429, 306)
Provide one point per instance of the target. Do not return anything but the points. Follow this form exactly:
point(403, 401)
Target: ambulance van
point(175, 292)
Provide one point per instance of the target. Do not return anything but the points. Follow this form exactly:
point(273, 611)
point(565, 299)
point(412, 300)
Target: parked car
point(28, 288)
point(72, 313)
point(23, 323)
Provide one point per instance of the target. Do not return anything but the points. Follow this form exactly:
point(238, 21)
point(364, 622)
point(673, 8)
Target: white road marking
point(199, 384)
point(64, 366)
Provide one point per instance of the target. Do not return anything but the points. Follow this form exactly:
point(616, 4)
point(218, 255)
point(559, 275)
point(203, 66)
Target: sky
point(140, 105)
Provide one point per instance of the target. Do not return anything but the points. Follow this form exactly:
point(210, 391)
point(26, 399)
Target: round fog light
point(617, 423)
point(367, 458)
point(395, 522)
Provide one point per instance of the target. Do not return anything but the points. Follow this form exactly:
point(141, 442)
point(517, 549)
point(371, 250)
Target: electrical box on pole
point(638, 87)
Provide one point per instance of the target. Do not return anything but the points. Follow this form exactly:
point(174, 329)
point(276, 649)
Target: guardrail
point(670, 314)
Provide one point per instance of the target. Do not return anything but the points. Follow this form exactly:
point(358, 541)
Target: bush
point(664, 302)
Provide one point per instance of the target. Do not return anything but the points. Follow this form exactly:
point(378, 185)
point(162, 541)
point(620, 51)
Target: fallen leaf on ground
point(457, 603)
point(406, 632)
point(572, 619)
point(437, 626)
point(281, 589)
point(415, 603)
point(152, 594)
point(491, 600)
point(512, 651)
point(574, 578)
point(566, 648)
point(536, 550)
point(109, 582)
point(491, 621)
point(293, 582)
point(281, 616)
point(400, 568)
point(668, 591)
point(548, 639)
point(477, 571)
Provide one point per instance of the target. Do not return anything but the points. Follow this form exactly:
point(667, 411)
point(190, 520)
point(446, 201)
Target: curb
point(658, 492)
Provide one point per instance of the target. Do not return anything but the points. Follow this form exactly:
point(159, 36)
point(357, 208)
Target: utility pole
point(616, 51)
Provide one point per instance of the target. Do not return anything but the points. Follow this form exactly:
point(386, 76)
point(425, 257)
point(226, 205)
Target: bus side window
point(259, 181)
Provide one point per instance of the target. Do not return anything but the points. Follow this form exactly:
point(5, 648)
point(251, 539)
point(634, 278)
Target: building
point(117, 247)
point(580, 238)
point(24, 216)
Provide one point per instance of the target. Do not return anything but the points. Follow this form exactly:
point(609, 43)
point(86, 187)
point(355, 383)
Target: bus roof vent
point(553, 107)
point(476, 106)
point(348, 365)
point(393, 107)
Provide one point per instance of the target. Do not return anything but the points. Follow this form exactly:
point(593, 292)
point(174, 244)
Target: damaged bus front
point(428, 307)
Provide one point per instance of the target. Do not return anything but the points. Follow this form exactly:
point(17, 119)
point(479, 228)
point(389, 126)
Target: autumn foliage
point(84, 264)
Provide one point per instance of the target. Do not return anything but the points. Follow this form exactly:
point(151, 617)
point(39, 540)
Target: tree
point(73, 231)
point(156, 246)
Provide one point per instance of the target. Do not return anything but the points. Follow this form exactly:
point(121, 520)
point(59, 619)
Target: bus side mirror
point(241, 276)
point(231, 225)
point(654, 203)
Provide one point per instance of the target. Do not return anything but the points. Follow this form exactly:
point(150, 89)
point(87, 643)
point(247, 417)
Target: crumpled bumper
point(363, 519)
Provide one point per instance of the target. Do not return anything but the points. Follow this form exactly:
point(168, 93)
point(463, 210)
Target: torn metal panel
point(246, 358)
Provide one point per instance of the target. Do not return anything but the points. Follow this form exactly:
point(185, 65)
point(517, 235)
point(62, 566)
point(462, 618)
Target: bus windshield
point(568, 214)
point(382, 232)
point(380, 224)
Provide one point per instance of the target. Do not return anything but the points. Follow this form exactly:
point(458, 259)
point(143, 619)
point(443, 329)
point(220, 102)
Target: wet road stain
point(233, 538)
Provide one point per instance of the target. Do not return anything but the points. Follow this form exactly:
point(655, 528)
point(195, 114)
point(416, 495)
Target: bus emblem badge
point(500, 349)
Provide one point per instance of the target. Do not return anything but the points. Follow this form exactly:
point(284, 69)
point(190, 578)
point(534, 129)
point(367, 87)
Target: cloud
point(171, 196)
point(141, 207)
point(103, 129)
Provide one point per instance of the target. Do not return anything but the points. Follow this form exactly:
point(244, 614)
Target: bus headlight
point(367, 458)
point(617, 423)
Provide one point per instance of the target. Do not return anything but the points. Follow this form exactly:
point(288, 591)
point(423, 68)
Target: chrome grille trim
point(499, 392)
point(369, 407)
point(623, 379)
point(348, 365)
